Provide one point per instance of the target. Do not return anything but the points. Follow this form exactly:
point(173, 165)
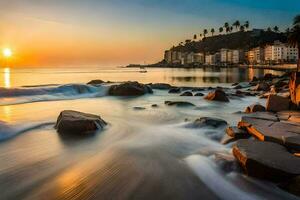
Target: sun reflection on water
point(6, 74)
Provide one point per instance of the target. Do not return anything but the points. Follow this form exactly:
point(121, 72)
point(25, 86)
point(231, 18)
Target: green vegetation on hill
point(236, 40)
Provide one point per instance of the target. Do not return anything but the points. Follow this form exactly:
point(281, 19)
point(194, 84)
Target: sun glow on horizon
point(7, 52)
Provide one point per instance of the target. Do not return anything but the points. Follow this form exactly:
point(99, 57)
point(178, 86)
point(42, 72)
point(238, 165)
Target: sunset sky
point(118, 32)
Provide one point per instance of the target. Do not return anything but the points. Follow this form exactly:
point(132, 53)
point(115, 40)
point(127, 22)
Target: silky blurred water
point(141, 154)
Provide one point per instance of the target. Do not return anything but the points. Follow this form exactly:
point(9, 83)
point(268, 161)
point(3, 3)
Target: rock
point(266, 160)
point(226, 161)
point(294, 87)
point(292, 186)
point(209, 121)
point(187, 94)
point(255, 108)
point(139, 108)
point(277, 103)
point(262, 86)
point(95, 82)
point(237, 133)
point(217, 95)
point(199, 94)
point(266, 130)
point(160, 86)
point(292, 143)
point(154, 105)
point(226, 139)
point(129, 89)
point(179, 103)
point(74, 122)
point(174, 90)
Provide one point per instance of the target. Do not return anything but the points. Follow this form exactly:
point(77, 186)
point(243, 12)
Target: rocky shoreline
point(265, 142)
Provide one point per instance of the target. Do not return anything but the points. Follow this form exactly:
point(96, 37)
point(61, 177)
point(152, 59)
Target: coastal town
point(276, 53)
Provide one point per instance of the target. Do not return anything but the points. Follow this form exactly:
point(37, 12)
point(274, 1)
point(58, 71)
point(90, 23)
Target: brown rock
point(266, 130)
point(75, 122)
point(217, 95)
point(277, 103)
point(255, 108)
point(266, 160)
point(235, 132)
point(129, 89)
point(95, 82)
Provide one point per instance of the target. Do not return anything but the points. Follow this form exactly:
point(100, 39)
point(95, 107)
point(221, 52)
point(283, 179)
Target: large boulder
point(129, 89)
point(266, 160)
point(209, 121)
point(75, 122)
point(217, 95)
point(277, 103)
point(255, 108)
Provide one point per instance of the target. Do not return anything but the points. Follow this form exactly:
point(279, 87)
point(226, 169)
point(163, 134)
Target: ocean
point(149, 153)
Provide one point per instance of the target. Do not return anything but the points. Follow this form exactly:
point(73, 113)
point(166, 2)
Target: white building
point(199, 58)
point(224, 55)
point(238, 56)
point(279, 52)
point(256, 55)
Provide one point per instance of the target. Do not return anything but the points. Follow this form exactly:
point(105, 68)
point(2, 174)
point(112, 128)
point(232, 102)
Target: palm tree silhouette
point(242, 28)
point(221, 29)
point(276, 29)
point(236, 24)
point(212, 31)
point(294, 37)
point(247, 24)
point(205, 32)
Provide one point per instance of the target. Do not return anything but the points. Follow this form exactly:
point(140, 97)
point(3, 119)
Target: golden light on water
point(6, 74)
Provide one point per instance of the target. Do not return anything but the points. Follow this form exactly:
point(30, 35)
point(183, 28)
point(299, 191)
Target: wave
point(8, 131)
point(10, 96)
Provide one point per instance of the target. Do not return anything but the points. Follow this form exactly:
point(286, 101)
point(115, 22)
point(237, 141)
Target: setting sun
point(7, 52)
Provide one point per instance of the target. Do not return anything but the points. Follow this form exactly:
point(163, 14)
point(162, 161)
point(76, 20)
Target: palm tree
point(226, 26)
point(212, 31)
point(221, 29)
point(195, 37)
point(294, 37)
point(205, 32)
point(227, 29)
point(236, 24)
point(247, 24)
point(276, 29)
point(242, 28)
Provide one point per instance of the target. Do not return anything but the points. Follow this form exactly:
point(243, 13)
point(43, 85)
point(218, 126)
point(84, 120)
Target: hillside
point(237, 40)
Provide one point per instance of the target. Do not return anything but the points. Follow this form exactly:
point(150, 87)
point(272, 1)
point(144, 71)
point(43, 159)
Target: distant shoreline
point(283, 67)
